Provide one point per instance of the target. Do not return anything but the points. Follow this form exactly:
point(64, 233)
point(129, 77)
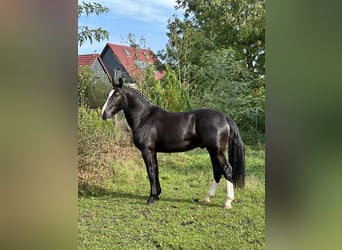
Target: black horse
point(156, 130)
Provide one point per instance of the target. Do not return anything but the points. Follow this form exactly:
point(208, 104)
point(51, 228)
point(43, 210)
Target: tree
point(151, 87)
point(170, 94)
point(132, 41)
point(236, 24)
point(175, 96)
point(218, 51)
point(224, 84)
point(84, 33)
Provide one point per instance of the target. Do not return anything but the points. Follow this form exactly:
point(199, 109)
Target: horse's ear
point(120, 82)
point(117, 85)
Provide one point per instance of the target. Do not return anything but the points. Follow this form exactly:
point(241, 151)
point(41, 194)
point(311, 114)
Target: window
point(141, 64)
point(127, 52)
point(146, 55)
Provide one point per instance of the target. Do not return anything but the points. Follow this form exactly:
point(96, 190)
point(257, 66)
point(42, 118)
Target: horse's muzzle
point(104, 116)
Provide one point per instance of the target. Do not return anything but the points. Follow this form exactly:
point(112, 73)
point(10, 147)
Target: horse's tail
point(236, 152)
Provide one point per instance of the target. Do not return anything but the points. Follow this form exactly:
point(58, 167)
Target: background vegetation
point(91, 90)
point(84, 32)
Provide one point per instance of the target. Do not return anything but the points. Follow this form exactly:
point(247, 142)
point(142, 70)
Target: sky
point(143, 18)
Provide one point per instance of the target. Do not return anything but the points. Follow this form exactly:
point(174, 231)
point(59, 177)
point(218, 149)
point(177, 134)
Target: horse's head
point(116, 101)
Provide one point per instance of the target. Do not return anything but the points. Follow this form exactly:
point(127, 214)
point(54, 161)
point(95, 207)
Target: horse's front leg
point(150, 160)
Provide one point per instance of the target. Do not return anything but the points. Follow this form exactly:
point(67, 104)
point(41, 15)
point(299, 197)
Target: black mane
point(139, 94)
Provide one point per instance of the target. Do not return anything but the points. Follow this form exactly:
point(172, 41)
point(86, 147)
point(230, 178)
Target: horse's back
point(210, 115)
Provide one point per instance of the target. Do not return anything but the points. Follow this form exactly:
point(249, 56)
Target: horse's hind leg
point(221, 167)
point(217, 172)
point(217, 176)
point(228, 173)
point(230, 195)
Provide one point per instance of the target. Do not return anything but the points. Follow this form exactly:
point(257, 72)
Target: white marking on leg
point(212, 191)
point(230, 195)
point(106, 103)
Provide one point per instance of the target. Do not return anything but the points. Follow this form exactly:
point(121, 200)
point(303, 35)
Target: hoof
point(152, 200)
point(207, 200)
point(228, 204)
point(225, 206)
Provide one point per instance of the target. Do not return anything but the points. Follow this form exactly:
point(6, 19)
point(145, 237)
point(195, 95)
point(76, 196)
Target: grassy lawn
point(117, 217)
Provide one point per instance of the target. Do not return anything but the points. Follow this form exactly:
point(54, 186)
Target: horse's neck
point(136, 111)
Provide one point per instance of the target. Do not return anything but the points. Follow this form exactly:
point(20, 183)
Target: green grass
point(117, 217)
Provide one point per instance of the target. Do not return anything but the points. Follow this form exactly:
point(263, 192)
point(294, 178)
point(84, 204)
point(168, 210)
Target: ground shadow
point(143, 199)
point(95, 191)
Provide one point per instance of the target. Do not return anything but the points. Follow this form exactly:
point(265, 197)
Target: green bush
point(83, 86)
point(170, 95)
point(92, 92)
point(151, 87)
point(96, 142)
point(174, 95)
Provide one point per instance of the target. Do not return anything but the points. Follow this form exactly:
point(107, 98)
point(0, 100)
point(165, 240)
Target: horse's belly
point(177, 134)
point(176, 148)
point(174, 145)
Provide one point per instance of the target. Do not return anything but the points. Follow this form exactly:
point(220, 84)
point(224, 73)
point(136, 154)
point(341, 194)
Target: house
point(127, 62)
point(95, 63)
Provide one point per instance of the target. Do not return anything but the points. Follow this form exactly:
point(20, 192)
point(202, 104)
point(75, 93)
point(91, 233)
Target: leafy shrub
point(84, 84)
point(151, 87)
point(92, 92)
point(174, 95)
point(170, 94)
point(96, 143)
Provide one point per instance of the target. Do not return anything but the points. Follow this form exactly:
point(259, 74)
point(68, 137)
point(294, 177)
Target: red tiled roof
point(87, 60)
point(127, 56)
